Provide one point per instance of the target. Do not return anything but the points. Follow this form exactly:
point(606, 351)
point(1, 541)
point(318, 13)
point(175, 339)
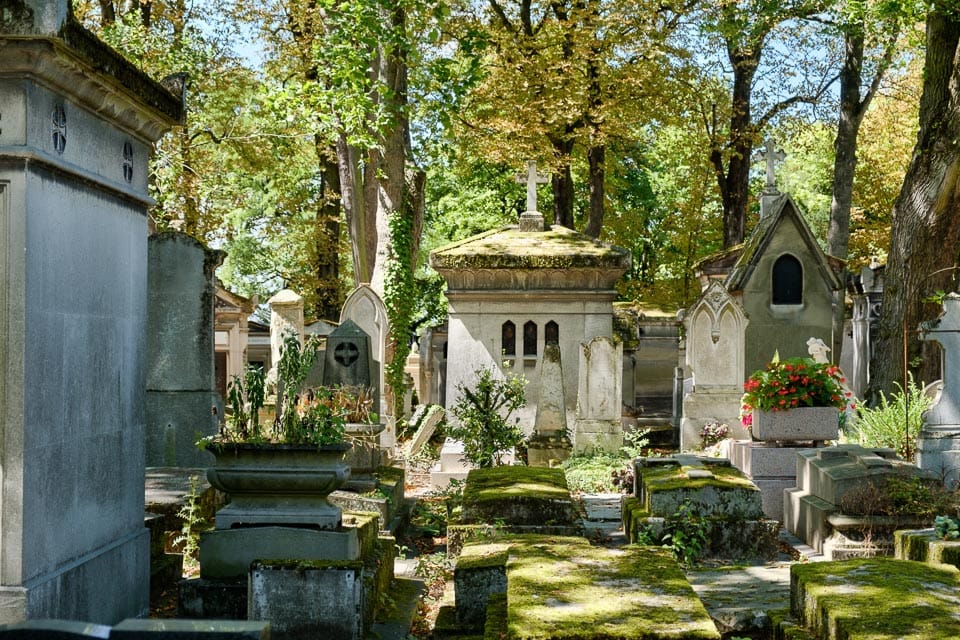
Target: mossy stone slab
point(876, 599)
point(527, 496)
point(724, 492)
point(924, 545)
point(560, 591)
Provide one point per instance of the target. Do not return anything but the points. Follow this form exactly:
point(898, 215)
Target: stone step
point(601, 506)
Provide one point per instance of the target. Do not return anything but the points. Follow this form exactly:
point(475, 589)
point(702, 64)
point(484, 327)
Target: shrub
point(597, 472)
point(894, 422)
point(483, 414)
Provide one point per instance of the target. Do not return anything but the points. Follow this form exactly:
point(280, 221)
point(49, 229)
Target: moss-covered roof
point(509, 248)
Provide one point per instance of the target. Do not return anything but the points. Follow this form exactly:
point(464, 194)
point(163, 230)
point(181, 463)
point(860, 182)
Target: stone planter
point(279, 484)
point(801, 423)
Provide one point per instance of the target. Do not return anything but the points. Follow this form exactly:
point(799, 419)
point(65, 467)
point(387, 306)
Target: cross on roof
point(770, 155)
point(532, 179)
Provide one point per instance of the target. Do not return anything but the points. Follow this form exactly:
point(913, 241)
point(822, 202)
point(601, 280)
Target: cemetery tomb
point(875, 599)
point(705, 493)
point(838, 506)
point(938, 446)
point(79, 122)
point(558, 587)
point(924, 545)
point(514, 289)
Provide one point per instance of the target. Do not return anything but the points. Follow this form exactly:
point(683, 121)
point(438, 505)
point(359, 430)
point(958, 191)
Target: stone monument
point(181, 402)
point(598, 423)
point(513, 290)
point(938, 447)
point(78, 124)
point(715, 326)
point(550, 442)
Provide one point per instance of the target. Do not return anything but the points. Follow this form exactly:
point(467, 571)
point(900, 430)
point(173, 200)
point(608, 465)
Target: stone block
point(153, 629)
point(805, 516)
point(481, 571)
point(925, 546)
point(938, 451)
point(213, 599)
point(427, 418)
point(663, 486)
point(801, 423)
point(598, 435)
point(175, 421)
point(305, 600)
point(763, 460)
point(771, 495)
point(228, 553)
point(527, 496)
point(710, 405)
point(53, 630)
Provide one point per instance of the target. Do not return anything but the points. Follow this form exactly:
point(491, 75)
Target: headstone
point(425, 419)
point(348, 360)
point(550, 442)
point(598, 423)
point(181, 402)
point(78, 125)
point(365, 308)
point(938, 447)
point(715, 358)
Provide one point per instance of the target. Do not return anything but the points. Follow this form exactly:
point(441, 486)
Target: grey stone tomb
point(938, 447)
point(78, 122)
point(181, 401)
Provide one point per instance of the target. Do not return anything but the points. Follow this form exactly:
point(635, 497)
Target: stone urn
point(279, 484)
point(799, 423)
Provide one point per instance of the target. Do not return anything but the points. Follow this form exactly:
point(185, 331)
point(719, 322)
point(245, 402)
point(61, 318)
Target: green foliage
point(193, 522)
point(482, 413)
point(245, 398)
point(594, 472)
point(900, 495)
point(894, 422)
point(947, 527)
point(684, 534)
point(400, 301)
point(790, 383)
point(635, 442)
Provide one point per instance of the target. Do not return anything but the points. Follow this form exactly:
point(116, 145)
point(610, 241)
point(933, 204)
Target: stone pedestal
point(938, 451)
point(721, 405)
point(938, 447)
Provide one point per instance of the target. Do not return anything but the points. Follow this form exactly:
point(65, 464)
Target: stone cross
point(946, 331)
point(771, 155)
point(532, 179)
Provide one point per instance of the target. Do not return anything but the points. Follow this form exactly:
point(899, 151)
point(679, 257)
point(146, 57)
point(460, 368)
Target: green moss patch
point(924, 545)
point(508, 247)
point(876, 599)
point(674, 477)
point(576, 591)
point(517, 496)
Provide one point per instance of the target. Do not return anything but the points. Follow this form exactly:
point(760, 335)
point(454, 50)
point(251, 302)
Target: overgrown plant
point(894, 422)
point(684, 534)
point(483, 413)
point(292, 370)
point(594, 472)
point(245, 397)
point(193, 521)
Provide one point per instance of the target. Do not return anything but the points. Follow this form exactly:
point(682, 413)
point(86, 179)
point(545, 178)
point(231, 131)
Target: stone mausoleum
point(515, 289)
point(78, 123)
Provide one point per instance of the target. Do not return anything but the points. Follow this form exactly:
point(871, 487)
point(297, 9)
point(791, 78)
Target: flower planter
point(279, 484)
point(800, 423)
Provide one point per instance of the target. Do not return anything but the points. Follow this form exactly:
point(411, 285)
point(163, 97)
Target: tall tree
point(925, 235)
point(745, 28)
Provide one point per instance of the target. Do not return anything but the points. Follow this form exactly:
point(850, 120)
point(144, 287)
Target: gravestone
point(938, 446)
point(531, 219)
point(365, 308)
point(78, 124)
point(598, 424)
point(550, 442)
point(348, 360)
point(181, 402)
point(715, 359)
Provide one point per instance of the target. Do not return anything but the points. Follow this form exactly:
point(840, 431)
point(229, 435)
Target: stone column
point(286, 316)
point(938, 447)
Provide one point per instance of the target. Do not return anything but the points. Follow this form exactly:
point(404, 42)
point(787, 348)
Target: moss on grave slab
point(674, 477)
point(876, 599)
point(580, 592)
point(924, 545)
point(517, 496)
point(495, 627)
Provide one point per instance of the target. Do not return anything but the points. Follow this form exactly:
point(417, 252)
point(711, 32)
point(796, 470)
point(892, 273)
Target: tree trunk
point(327, 235)
point(734, 179)
point(597, 157)
point(925, 234)
point(562, 182)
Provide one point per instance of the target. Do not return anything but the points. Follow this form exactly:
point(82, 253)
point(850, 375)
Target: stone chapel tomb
point(513, 290)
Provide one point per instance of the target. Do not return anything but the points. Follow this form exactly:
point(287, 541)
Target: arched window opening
point(508, 338)
point(551, 333)
point(530, 338)
point(787, 280)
